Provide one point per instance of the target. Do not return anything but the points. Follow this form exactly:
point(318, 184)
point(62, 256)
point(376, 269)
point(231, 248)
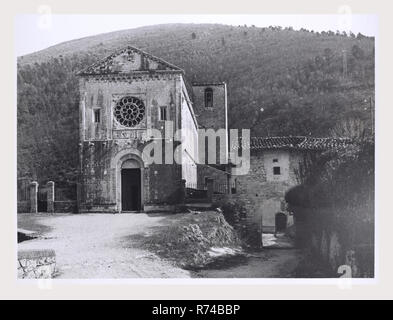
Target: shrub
point(337, 196)
point(234, 212)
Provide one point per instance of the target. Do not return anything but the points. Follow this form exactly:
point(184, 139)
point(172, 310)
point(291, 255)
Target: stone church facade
point(121, 98)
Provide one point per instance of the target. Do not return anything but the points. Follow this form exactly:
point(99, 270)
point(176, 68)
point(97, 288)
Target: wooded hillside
point(307, 83)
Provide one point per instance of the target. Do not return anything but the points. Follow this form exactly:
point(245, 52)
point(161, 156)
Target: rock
point(30, 275)
point(20, 273)
point(23, 263)
point(52, 268)
point(32, 263)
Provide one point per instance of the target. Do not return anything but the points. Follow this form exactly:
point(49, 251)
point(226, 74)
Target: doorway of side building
point(131, 189)
point(280, 222)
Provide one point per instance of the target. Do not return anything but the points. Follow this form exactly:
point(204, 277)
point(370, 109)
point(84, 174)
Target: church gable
point(129, 60)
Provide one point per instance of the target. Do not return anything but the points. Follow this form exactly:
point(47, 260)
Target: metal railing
point(23, 191)
point(221, 188)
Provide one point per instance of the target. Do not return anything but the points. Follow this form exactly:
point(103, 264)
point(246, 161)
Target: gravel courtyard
point(103, 246)
point(95, 246)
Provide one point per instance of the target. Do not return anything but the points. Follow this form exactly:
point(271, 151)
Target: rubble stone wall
point(36, 264)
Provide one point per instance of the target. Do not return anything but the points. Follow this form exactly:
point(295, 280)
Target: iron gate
point(42, 199)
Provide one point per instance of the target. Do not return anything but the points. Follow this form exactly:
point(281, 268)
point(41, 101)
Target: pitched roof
point(112, 65)
point(296, 142)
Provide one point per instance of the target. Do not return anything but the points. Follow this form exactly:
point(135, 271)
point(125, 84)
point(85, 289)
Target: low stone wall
point(159, 208)
point(220, 197)
point(65, 206)
point(36, 264)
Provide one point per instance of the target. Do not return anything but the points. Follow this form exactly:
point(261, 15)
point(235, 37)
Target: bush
point(234, 212)
point(337, 196)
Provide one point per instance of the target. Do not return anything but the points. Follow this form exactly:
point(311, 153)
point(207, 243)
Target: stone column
point(50, 196)
point(182, 191)
point(210, 189)
point(33, 197)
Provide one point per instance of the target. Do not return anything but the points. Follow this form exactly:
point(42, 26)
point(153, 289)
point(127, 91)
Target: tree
point(357, 52)
point(353, 128)
point(279, 74)
point(223, 41)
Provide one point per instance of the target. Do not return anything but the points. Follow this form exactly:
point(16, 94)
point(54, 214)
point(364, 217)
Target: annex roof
point(296, 142)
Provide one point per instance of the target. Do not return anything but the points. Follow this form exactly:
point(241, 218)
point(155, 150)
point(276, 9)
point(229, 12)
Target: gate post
point(50, 196)
point(33, 197)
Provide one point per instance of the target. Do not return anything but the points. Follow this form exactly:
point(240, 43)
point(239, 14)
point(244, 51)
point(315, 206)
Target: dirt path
point(268, 263)
point(100, 246)
point(97, 246)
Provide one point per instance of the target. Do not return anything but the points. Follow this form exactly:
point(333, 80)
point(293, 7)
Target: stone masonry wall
point(36, 264)
point(99, 178)
point(103, 93)
point(65, 206)
point(205, 171)
point(212, 118)
point(262, 196)
point(102, 142)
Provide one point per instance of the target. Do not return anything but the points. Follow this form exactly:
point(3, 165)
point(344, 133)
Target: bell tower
point(210, 107)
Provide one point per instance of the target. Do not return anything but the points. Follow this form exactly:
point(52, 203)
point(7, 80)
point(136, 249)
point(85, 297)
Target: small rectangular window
point(163, 114)
point(208, 98)
point(97, 116)
point(275, 160)
point(276, 170)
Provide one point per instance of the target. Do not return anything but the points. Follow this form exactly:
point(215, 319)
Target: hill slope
point(298, 78)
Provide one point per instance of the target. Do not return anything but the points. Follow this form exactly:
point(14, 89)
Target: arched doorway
point(131, 186)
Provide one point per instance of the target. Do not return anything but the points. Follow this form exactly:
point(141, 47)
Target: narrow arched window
point(208, 98)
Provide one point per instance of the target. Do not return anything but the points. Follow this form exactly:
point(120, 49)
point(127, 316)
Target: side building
point(276, 165)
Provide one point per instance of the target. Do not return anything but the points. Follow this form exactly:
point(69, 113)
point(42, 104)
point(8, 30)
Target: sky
point(35, 32)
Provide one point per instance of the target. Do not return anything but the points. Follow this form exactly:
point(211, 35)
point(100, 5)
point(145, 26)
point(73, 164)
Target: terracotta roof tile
point(296, 142)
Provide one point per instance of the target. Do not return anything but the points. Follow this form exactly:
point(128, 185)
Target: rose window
point(129, 111)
